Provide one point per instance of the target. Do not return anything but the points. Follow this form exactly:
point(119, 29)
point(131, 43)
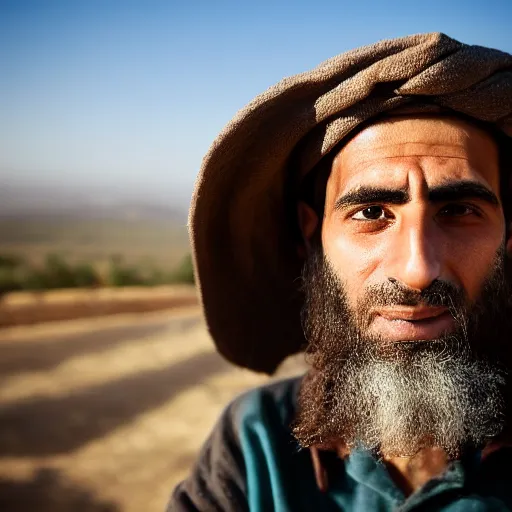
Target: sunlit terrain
point(108, 414)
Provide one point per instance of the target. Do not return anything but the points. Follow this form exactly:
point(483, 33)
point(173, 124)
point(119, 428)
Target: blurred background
point(109, 381)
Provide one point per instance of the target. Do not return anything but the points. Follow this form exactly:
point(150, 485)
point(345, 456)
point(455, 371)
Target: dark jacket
point(252, 462)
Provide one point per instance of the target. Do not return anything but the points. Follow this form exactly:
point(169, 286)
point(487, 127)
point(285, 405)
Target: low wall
point(22, 308)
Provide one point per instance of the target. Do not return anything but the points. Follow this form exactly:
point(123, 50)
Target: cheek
point(470, 252)
point(469, 264)
point(355, 261)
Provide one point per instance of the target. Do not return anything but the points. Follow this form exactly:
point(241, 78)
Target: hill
point(90, 227)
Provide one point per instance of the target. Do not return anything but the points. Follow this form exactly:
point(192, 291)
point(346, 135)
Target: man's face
point(407, 294)
point(410, 202)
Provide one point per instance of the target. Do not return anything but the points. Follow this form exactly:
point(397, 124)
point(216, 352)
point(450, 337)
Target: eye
point(370, 213)
point(457, 210)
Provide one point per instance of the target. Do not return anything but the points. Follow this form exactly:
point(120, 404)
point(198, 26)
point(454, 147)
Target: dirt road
point(108, 414)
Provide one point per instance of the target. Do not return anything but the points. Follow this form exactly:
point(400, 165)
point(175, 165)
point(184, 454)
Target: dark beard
point(400, 397)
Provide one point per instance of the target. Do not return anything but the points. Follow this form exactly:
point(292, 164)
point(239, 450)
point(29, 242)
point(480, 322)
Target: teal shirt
point(252, 462)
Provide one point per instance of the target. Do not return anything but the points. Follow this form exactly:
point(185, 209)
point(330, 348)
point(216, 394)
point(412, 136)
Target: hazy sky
point(127, 95)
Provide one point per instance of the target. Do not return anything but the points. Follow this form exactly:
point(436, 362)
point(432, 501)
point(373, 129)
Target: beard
point(400, 397)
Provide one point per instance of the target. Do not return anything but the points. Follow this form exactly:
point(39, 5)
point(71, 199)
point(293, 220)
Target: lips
point(412, 314)
point(411, 324)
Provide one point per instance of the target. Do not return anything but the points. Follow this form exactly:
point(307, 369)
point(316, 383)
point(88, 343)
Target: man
point(369, 198)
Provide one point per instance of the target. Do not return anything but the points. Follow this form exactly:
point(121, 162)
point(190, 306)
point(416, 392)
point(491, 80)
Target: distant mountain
point(30, 201)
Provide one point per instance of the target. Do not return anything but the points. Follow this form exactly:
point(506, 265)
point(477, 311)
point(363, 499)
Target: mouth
point(412, 324)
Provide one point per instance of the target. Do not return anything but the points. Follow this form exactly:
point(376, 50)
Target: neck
point(410, 473)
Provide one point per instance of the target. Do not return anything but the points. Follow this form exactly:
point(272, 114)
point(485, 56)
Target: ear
point(308, 222)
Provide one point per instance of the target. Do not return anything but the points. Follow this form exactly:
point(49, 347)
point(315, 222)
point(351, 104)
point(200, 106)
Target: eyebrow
point(365, 195)
point(462, 190)
point(455, 191)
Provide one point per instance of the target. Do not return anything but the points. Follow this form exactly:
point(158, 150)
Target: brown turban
point(243, 243)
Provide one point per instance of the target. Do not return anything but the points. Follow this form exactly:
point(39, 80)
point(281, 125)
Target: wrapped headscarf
point(243, 242)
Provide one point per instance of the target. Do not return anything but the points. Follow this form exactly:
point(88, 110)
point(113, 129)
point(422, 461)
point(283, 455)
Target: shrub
point(57, 273)
point(10, 261)
point(184, 273)
point(86, 276)
point(15, 274)
point(9, 280)
point(120, 274)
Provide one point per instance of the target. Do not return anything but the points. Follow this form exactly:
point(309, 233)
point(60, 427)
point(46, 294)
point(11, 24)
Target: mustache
point(394, 293)
point(439, 293)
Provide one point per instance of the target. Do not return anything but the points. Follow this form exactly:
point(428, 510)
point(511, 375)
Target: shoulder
point(240, 442)
point(273, 403)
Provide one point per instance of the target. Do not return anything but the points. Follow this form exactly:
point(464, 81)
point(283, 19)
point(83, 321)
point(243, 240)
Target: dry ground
point(23, 308)
point(108, 414)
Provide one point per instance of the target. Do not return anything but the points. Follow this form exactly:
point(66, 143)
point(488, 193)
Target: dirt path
point(108, 414)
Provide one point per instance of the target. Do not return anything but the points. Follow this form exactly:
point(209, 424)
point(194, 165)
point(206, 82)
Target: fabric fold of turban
point(244, 248)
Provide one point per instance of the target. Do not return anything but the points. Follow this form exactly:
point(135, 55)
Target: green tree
point(184, 273)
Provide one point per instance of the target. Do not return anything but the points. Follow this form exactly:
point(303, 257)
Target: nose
point(417, 258)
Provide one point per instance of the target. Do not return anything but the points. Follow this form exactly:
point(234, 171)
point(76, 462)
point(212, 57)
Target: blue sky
point(120, 96)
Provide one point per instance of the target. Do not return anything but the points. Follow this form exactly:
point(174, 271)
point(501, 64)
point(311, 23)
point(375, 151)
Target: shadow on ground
point(48, 491)
point(35, 355)
point(47, 426)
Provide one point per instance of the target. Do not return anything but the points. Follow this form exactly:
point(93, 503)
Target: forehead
point(441, 149)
